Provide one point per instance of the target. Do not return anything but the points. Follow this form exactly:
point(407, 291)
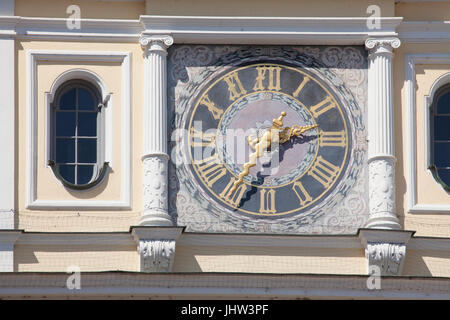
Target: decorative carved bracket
point(385, 249)
point(156, 255)
point(156, 247)
point(388, 257)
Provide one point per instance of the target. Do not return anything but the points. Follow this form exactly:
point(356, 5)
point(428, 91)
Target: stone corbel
point(156, 247)
point(385, 250)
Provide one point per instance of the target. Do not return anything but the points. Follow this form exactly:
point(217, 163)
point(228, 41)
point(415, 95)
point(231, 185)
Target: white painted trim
point(231, 286)
point(184, 29)
point(88, 56)
point(424, 31)
point(411, 128)
point(7, 241)
point(7, 132)
point(267, 30)
point(7, 7)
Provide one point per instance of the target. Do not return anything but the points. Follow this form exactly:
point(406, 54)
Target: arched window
point(440, 136)
point(77, 156)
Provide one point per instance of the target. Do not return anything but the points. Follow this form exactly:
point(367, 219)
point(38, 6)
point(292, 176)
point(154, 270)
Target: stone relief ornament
point(191, 68)
point(156, 255)
point(389, 257)
point(382, 194)
point(155, 194)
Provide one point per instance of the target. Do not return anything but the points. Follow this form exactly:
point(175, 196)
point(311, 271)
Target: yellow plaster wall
point(423, 11)
point(28, 258)
point(48, 186)
point(428, 191)
point(90, 9)
point(434, 263)
point(269, 260)
point(280, 8)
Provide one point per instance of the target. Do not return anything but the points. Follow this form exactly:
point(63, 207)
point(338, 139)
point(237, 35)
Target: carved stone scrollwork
point(156, 255)
point(155, 191)
point(382, 194)
point(156, 43)
point(382, 45)
point(388, 257)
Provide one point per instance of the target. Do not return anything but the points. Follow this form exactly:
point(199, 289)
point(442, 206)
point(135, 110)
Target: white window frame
point(102, 140)
point(411, 130)
point(33, 56)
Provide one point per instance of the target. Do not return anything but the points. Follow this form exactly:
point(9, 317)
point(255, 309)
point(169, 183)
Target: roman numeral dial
point(274, 141)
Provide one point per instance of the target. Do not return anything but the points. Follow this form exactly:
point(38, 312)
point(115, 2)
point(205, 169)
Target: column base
point(383, 222)
point(157, 218)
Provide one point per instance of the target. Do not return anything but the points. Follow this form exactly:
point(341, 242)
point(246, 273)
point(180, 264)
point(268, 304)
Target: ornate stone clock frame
point(162, 32)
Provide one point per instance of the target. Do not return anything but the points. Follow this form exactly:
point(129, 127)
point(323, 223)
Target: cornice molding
point(270, 30)
point(225, 30)
point(424, 31)
point(222, 239)
point(10, 236)
point(340, 30)
point(219, 285)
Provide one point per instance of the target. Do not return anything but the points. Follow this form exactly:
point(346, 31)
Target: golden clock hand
point(275, 134)
point(288, 132)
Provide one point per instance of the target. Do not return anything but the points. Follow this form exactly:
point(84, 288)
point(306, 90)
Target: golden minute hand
point(275, 134)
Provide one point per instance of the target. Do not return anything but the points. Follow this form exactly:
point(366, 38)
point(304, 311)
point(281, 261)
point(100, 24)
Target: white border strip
point(411, 129)
point(220, 285)
point(88, 56)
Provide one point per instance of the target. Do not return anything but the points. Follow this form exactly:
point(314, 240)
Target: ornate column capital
point(384, 46)
point(156, 43)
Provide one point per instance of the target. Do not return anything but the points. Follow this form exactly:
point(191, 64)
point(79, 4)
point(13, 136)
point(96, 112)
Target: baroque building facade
point(225, 150)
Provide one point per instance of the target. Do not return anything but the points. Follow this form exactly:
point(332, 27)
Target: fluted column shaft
point(381, 156)
point(155, 158)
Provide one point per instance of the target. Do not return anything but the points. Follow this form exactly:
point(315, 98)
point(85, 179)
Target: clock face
point(243, 151)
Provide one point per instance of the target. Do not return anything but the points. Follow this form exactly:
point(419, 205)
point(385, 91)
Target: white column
point(155, 158)
point(381, 158)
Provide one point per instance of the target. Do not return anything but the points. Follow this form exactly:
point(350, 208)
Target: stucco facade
point(134, 48)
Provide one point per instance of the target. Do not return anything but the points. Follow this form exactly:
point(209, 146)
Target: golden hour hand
point(275, 134)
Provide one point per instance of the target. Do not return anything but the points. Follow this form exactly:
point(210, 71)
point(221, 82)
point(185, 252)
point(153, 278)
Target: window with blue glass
point(77, 135)
point(440, 137)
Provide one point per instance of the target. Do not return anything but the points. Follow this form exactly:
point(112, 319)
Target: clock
point(267, 140)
